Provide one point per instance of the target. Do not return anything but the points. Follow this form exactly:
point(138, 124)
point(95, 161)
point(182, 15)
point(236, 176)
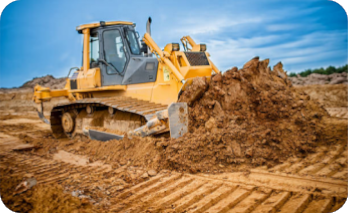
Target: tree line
point(327, 71)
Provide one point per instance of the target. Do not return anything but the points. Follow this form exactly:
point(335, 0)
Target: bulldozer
point(126, 85)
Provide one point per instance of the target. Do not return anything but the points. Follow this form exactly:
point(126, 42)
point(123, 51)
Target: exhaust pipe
point(148, 30)
point(148, 26)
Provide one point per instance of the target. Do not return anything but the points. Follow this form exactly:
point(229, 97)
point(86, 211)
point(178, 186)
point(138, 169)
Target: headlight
point(172, 47)
point(203, 47)
point(175, 47)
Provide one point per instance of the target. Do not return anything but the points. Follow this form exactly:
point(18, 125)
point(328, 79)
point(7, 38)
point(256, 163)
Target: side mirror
point(143, 47)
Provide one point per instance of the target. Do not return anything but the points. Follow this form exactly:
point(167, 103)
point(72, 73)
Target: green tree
point(327, 71)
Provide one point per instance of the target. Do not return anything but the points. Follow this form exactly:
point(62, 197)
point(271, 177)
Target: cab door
point(115, 54)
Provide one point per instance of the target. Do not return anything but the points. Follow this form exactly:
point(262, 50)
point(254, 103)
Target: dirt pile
point(46, 81)
point(327, 95)
point(16, 94)
point(21, 98)
point(314, 78)
point(251, 116)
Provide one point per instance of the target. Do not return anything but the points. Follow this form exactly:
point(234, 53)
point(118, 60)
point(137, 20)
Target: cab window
point(114, 51)
point(132, 42)
point(94, 49)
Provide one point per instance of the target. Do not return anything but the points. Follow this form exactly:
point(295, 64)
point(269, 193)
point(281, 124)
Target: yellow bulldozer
point(126, 85)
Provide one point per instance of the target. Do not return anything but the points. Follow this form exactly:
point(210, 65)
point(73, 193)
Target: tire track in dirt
point(327, 162)
point(206, 195)
point(175, 192)
point(316, 183)
point(45, 171)
point(321, 205)
point(296, 204)
point(231, 200)
point(341, 112)
point(274, 202)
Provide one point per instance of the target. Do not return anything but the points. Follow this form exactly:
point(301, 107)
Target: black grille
point(73, 81)
point(73, 84)
point(197, 58)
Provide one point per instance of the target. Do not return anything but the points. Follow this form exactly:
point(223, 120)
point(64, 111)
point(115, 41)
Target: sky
point(39, 37)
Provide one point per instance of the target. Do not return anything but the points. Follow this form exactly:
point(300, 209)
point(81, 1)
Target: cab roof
point(94, 25)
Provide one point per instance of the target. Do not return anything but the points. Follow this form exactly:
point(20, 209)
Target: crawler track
point(144, 110)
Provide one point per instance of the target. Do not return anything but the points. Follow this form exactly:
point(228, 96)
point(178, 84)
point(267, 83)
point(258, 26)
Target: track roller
point(90, 109)
point(69, 121)
point(111, 110)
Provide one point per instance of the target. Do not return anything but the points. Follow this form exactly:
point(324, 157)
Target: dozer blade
point(103, 136)
point(178, 119)
point(175, 117)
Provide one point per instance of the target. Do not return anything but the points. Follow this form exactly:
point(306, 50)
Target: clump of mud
point(251, 116)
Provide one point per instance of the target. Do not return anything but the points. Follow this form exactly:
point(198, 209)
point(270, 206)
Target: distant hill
point(46, 81)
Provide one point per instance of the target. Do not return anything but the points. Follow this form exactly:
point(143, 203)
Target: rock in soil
point(152, 173)
point(145, 175)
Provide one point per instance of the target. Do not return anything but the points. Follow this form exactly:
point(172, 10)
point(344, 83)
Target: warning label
point(166, 73)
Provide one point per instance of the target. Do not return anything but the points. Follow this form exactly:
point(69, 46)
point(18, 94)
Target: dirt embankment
point(315, 79)
point(25, 92)
point(20, 99)
point(46, 81)
point(327, 95)
point(252, 116)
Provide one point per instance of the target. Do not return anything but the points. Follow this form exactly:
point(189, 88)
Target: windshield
point(133, 42)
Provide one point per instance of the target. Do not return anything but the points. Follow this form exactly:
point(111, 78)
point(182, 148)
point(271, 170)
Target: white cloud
point(308, 51)
point(206, 25)
point(281, 27)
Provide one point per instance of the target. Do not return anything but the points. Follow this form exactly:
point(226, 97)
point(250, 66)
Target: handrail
point(72, 69)
point(162, 56)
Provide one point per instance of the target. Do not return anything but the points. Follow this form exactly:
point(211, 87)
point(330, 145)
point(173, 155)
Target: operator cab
point(114, 47)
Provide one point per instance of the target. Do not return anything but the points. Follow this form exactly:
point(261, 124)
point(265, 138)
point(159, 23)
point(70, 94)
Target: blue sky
point(38, 37)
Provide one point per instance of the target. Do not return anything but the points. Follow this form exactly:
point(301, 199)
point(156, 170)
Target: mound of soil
point(250, 116)
point(21, 98)
point(327, 95)
point(315, 78)
point(46, 81)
